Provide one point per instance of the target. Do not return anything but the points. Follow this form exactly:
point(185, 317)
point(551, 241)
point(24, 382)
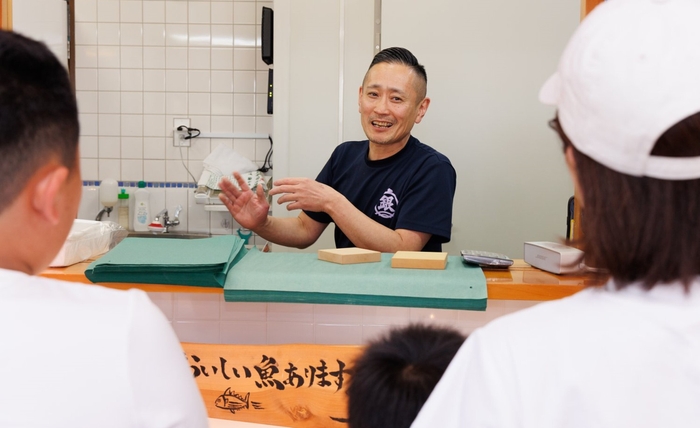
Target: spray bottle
point(123, 209)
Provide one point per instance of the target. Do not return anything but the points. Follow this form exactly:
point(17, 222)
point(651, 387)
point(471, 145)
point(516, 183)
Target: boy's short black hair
point(394, 376)
point(38, 112)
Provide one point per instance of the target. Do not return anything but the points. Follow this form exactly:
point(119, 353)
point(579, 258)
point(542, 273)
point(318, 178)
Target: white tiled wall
point(142, 63)
point(206, 318)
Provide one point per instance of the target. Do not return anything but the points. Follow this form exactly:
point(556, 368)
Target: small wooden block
point(419, 260)
point(348, 256)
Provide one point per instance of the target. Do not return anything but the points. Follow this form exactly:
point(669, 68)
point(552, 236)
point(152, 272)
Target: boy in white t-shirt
point(71, 355)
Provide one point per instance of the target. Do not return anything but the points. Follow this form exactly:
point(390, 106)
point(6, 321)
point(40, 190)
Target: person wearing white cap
point(627, 93)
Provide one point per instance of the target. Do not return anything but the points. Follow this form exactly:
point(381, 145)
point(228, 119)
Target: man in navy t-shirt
point(388, 193)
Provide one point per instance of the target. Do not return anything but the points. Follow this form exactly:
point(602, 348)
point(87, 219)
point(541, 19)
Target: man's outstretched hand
point(247, 208)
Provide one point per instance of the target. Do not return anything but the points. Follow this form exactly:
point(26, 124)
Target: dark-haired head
point(641, 229)
point(397, 55)
point(38, 112)
point(393, 378)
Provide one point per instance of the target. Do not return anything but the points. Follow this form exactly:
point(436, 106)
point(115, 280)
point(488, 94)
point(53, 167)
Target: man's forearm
point(367, 233)
point(287, 231)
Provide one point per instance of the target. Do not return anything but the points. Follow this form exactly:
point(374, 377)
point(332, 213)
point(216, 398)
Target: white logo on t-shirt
point(385, 208)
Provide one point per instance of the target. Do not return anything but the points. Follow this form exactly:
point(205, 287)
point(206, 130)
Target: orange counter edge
point(521, 282)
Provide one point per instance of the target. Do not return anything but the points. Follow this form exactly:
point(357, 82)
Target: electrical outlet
point(179, 136)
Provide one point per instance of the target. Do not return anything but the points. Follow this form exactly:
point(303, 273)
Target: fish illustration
point(233, 402)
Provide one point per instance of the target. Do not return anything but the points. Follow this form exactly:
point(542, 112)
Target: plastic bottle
point(142, 212)
point(123, 209)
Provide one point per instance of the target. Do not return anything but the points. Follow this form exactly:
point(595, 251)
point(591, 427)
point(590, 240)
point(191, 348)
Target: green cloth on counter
point(302, 278)
point(200, 262)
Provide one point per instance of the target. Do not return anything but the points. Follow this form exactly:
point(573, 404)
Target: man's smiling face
point(392, 99)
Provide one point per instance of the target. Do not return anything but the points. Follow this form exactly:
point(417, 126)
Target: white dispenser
point(142, 212)
point(108, 197)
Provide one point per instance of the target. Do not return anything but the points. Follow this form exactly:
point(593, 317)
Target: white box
point(553, 257)
point(87, 238)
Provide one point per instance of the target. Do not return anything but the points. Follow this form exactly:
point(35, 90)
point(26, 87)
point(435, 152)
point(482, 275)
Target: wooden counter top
point(524, 282)
point(520, 282)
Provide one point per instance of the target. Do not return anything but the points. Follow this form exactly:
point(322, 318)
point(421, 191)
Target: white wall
point(485, 63)
point(45, 21)
point(322, 49)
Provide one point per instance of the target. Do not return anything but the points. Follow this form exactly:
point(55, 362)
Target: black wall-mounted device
point(266, 36)
point(269, 91)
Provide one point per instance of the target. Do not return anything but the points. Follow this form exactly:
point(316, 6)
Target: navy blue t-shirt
point(412, 189)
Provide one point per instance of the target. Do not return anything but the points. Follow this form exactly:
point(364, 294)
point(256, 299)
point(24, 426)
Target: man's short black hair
point(394, 376)
point(397, 55)
point(38, 112)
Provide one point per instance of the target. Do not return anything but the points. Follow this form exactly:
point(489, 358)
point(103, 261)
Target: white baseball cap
point(629, 73)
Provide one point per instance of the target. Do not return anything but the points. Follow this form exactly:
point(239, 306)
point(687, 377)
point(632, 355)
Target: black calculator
point(485, 259)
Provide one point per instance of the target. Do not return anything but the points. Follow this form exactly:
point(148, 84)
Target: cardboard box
point(419, 260)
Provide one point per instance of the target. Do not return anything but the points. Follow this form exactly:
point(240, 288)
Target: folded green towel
point(201, 262)
point(252, 276)
point(302, 278)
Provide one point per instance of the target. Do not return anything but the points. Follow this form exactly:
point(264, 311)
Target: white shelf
point(212, 207)
point(233, 135)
